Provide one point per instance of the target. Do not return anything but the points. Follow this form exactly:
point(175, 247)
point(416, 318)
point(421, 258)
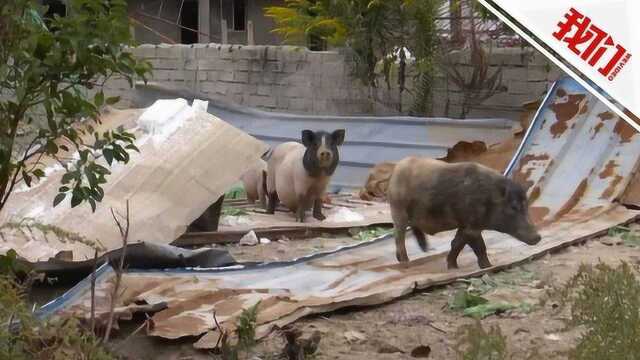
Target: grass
point(605, 301)
point(22, 336)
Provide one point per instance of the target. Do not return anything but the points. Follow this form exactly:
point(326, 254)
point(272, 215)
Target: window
point(239, 15)
point(189, 19)
point(234, 11)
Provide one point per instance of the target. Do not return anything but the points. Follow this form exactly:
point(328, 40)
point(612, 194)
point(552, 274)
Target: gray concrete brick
point(225, 76)
point(301, 105)
point(262, 101)
point(264, 90)
point(241, 76)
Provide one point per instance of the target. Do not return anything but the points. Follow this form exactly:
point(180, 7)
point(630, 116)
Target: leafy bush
point(475, 343)
point(22, 336)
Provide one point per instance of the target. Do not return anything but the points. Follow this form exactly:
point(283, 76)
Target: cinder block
point(241, 65)
point(263, 90)
point(241, 76)
point(262, 101)
point(160, 75)
point(225, 76)
point(301, 105)
point(146, 51)
point(164, 51)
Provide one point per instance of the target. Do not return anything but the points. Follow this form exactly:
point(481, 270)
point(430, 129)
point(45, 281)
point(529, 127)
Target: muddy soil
point(393, 330)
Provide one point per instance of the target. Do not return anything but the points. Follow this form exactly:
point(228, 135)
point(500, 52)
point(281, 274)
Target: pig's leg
point(479, 248)
point(421, 238)
point(317, 209)
point(273, 202)
point(301, 211)
point(400, 222)
point(458, 243)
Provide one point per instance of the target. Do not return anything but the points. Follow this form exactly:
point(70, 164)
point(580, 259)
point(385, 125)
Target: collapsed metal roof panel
point(187, 160)
point(368, 273)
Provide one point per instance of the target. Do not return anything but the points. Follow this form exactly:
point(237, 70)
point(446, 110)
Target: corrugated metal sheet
point(591, 167)
point(369, 139)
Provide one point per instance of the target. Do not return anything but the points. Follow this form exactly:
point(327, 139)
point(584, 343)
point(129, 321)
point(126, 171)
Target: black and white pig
point(431, 196)
point(298, 174)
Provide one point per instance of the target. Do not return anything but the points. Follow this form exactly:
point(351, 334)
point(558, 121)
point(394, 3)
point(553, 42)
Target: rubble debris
point(250, 239)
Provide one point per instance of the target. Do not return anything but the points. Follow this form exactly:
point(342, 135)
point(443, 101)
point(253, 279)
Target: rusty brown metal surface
point(575, 158)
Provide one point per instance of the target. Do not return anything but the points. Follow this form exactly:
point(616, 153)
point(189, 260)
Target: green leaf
point(99, 99)
point(76, 198)
point(66, 178)
point(27, 178)
point(463, 300)
point(58, 199)
point(108, 155)
point(52, 148)
point(38, 173)
point(112, 100)
point(63, 189)
point(487, 309)
point(93, 204)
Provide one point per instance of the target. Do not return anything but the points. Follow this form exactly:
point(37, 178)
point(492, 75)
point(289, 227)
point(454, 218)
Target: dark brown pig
point(298, 174)
point(431, 196)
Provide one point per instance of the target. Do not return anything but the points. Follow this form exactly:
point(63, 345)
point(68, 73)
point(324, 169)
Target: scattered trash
point(264, 241)
point(230, 220)
point(552, 337)
point(463, 300)
point(421, 351)
point(343, 214)
point(249, 239)
point(231, 211)
point(487, 309)
point(354, 336)
point(369, 234)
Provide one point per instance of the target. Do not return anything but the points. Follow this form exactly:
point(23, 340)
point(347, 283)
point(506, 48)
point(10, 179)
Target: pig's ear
point(338, 137)
point(307, 137)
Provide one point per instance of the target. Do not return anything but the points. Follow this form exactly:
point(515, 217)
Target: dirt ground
point(393, 330)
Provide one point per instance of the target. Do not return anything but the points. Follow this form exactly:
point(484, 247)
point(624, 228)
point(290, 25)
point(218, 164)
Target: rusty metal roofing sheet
point(571, 187)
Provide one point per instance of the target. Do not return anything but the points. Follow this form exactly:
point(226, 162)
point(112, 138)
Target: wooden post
point(224, 32)
point(250, 38)
point(204, 13)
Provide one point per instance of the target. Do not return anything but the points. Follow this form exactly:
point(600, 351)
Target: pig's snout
point(529, 236)
point(534, 239)
point(325, 156)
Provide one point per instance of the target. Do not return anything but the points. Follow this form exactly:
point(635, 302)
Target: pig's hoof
point(452, 265)
point(484, 264)
point(402, 258)
point(319, 217)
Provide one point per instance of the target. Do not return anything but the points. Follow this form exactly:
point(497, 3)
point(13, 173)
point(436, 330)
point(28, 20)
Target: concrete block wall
point(526, 75)
point(273, 78)
point(296, 80)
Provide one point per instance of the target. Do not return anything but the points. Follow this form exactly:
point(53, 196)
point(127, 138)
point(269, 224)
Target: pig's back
point(288, 173)
point(274, 163)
